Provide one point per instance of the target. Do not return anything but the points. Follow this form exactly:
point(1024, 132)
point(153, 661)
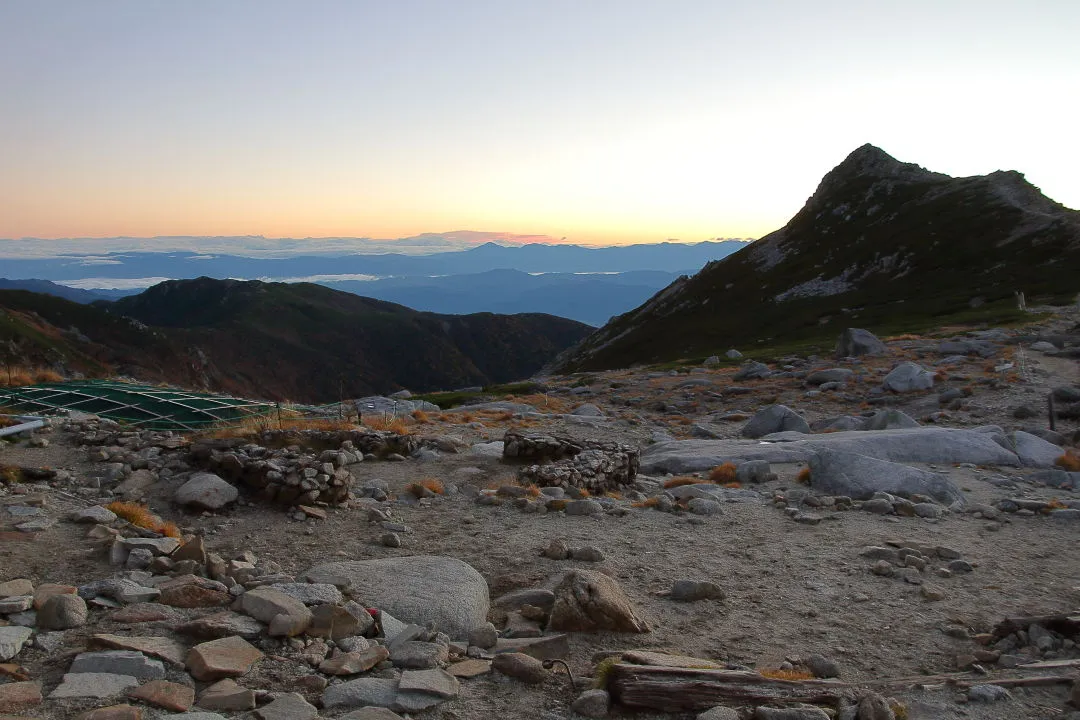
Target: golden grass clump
point(1069, 461)
point(394, 425)
point(140, 516)
point(646, 503)
point(421, 417)
point(434, 485)
point(11, 474)
point(532, 490)
point(803, 476)
point(1055, 504)
point(558, 504)
point(723, 473)
point(681, 480)
point(777, 674)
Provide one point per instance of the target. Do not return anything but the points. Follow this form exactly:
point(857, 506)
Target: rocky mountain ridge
point(886, 245)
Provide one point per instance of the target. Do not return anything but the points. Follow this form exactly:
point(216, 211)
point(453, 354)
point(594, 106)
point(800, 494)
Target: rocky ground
point(326, 571)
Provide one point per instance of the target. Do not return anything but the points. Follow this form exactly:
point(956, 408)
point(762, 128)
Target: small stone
point(557, 550)
point(228, 657)
point(285, 615)
point(592, 704)
point(18, 696)
point(418, 655)
point(354, 663)
point(165, 694)
point(988, 693)
point(118, 662)
point(521, 667)
point(17, 587)
point(822, 667)
point(390, 540)
point(588, 553)
point(164, 648)
point(339, 621)
point(470, 668)
point(931, 594)
point(719, 713)
point(693, 590)
point(289, 706)
point(16, 604)
point(432, 682)
point(45, 591)
point(114, 712)
point(12, 640)
point(192, 591)
point(484, 636)
point(94, 685)
point(223, 624)
point(227, 695)
point(371, 713)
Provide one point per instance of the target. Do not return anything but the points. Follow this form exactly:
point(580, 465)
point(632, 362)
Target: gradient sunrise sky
point(600, 121)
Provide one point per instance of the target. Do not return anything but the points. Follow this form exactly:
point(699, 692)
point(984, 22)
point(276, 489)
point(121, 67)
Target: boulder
point(1033, 451)
point(420, 589)
point(587, 601)
point(820, 377)
point(775, 418)
point(285, 614)
point(752, 370)
point(908, 377)
point(855, 341)
point(890, 419)
point(916, 445)
point(859, 477)
point(206, 491)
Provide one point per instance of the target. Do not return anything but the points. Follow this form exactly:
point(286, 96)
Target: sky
point(598, 121)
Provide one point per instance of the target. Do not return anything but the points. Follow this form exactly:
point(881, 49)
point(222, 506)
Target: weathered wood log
point(693, 689)
point(1049, 664)
point(1063, 623)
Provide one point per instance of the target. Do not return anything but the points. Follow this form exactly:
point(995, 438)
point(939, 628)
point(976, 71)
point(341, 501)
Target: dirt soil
point(791, 589)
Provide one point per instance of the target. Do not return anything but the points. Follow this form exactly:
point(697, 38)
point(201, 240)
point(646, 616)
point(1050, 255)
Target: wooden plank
point(1047, 664)
point(695, 689)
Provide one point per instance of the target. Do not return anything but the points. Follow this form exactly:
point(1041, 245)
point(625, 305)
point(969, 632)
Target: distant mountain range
point(534, 258)
point(278, 341)
point(882, 245)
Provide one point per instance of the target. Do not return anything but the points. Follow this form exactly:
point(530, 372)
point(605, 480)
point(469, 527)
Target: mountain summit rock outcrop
point(881, 244)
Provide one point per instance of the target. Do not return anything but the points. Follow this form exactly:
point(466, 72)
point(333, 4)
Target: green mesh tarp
point(144, 406)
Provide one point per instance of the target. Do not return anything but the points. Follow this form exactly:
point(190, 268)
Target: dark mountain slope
point(881, 244)
point(279, 341)
point(307, 342)
point(50, 288)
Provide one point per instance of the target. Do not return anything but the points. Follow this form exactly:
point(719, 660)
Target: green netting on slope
point(142, 405)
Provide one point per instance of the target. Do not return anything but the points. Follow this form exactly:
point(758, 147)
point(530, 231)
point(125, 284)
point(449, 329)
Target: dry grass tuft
point(434, 485)
point(803, 476)
point(682, 480)
point(733, 485)
point(558, 504)
point(140, 516)
point(777, 674)
point(647, 503)
point(723, 473)
point(386, 424)
point(532, 490)
point(421, 417)
point(134, 513)
point(1069, 461)
point(11, 474)
point(18, 375)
